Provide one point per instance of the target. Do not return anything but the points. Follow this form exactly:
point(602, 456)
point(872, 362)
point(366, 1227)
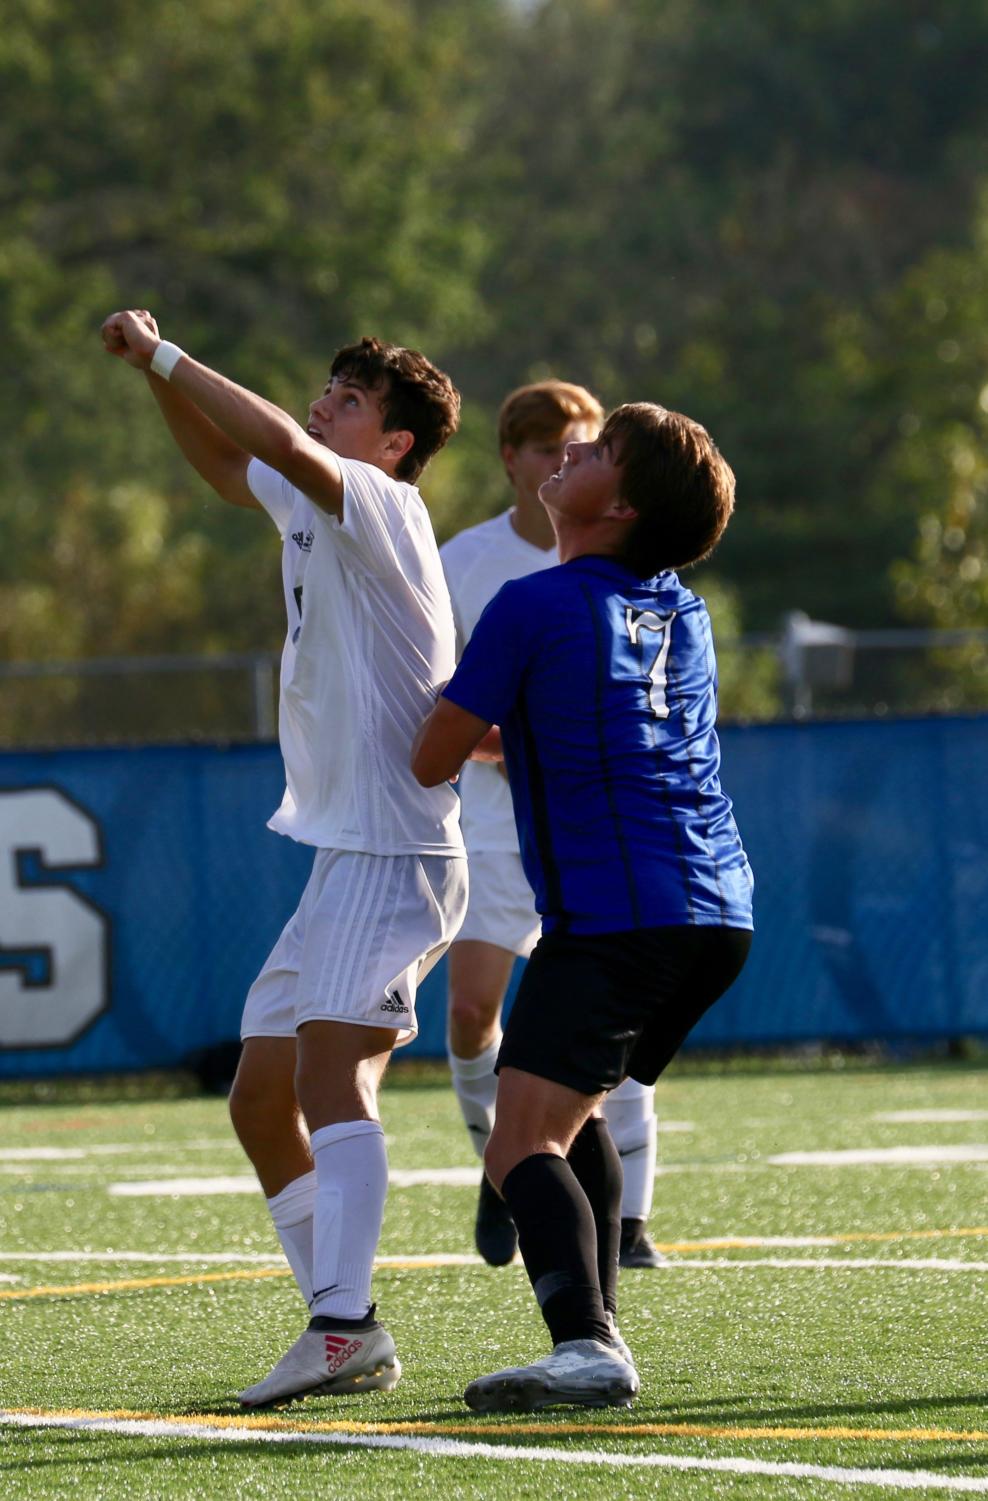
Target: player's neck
point(373, 454)
point(532, 526)
point(599, 540)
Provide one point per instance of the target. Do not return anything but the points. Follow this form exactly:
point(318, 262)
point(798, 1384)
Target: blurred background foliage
point(774, 217)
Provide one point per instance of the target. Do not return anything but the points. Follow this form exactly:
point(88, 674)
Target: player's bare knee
point(473, 1020)
point(493, 1163)
point(259, 1106)
point(503, 1152)
point(246, 1109)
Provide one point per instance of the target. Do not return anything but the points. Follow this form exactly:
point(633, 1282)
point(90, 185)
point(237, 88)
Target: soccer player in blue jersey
point(598, 681)
point(535, 424)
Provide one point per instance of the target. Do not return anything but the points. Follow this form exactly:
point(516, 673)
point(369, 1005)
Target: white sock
point(630, 1114)
point(475, 1083)
point(352, 1184)
point(291, 1211)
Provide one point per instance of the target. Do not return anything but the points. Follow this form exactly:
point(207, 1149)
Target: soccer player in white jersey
point(536, 422)
point(370, 641)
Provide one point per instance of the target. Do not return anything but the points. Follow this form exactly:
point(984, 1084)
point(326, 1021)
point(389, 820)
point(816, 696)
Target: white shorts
point(502, 908)
point(366, 932)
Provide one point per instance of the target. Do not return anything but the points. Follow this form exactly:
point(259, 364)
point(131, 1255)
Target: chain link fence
point(139, 700)
point(809, 670)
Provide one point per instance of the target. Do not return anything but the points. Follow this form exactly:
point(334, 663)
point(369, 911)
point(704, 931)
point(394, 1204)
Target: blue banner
point(140, 893)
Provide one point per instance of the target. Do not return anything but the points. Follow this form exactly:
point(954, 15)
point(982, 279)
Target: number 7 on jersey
point(658, 629)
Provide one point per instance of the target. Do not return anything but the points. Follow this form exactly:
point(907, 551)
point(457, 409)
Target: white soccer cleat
point(328, 1362)
point(580, 1371)
point(618, 1343)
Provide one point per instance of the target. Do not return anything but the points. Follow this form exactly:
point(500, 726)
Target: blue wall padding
point(869, 843)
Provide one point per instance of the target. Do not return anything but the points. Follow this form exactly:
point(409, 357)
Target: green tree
point(761, 214)
point(272, 179)
point(696, 199)
point(929, 363)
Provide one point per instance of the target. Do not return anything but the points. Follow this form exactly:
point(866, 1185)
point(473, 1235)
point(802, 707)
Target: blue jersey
point(605, 688)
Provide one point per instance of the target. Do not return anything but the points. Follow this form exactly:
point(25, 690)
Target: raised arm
point(221, 463)
point(220, 426)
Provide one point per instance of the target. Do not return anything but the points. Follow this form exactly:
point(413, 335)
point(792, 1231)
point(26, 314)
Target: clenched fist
point(132, 336)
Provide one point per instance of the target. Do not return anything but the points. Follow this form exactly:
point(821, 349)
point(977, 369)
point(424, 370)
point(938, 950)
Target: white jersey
point(477, 562)
point(370, 643)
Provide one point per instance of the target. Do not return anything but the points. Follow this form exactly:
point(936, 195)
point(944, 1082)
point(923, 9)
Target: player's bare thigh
point(339, 1069)
point(478, 975)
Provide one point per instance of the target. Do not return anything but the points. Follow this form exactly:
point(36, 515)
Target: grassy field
point(819, 1329)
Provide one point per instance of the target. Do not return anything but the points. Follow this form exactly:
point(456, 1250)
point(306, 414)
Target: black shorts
point(593, 1008)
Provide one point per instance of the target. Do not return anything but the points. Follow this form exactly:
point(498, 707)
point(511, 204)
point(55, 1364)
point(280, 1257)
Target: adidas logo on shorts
point(394, 1004)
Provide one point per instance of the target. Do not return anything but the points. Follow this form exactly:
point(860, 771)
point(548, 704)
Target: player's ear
point(508, 459)
point(619, 510)
point(397, 443)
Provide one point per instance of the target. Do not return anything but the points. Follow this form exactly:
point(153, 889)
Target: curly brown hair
point(417, 396)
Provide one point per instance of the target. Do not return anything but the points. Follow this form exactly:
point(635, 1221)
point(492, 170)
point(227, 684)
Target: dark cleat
point(636, 1246)
point(494, 1232)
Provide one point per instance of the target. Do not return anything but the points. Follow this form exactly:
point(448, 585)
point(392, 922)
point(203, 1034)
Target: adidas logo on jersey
point(394, 1004)
point(303, 540)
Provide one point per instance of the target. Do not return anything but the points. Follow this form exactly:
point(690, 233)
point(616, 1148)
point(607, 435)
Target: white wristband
point(165, 358)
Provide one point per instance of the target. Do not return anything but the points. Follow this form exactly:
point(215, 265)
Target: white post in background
point(814, 654)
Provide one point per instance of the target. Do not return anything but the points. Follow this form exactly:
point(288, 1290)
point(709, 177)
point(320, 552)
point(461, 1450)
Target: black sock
point(323, 1321)
point(595, 1160)
point(557, 1238)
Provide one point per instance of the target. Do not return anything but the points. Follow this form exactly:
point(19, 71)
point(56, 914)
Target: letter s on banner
point(54, 944)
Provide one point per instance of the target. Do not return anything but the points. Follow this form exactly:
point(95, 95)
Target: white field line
point(442, 1258)
point(216, 1258)
point(797, 1242)
point(134, 1148)
point(444, 1448)
point(140, 1148)
point(169, 1187)
point(62, 1173)
point(448, 1177)
point(443, 1177)
point(258, 1258)
point(827, 1263)
point(66, 1175)
point(193, 1258)
point(929, 1117)
point(467, 1177)
point(438, 1258)
point(883, 1157)
point(75, 1174)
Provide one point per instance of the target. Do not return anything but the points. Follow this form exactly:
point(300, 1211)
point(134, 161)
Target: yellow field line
point(413, 1263)
point(131, 1284)
point(752, 1242)
point(138, 1284)
point(546, 1429)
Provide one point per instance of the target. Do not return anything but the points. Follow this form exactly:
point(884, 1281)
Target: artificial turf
point(815, 1355)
